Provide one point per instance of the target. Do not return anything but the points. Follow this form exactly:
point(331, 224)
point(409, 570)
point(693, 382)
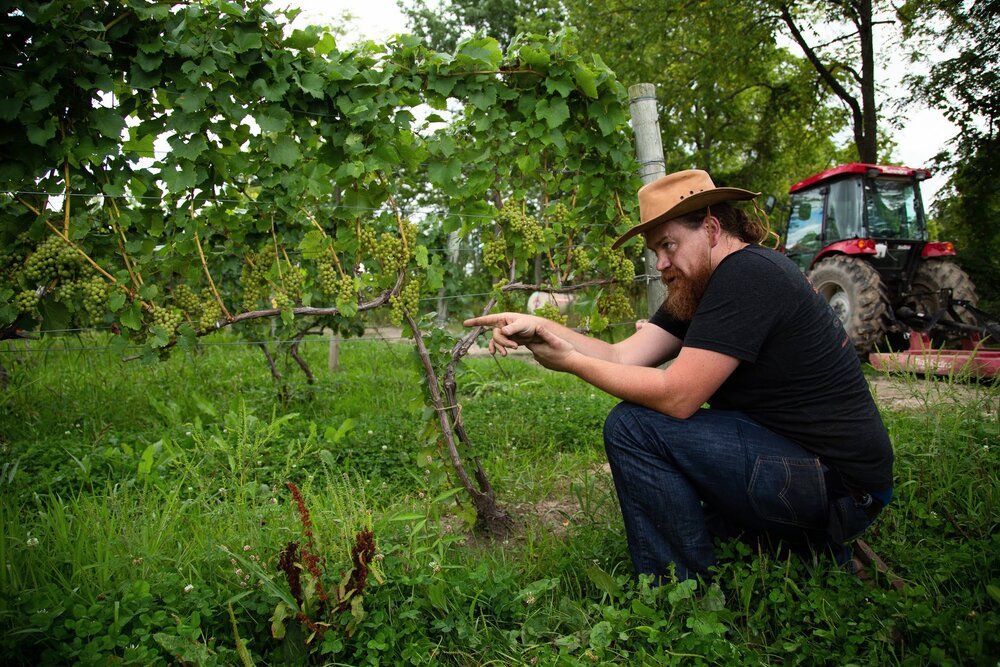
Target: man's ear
point(714, 228)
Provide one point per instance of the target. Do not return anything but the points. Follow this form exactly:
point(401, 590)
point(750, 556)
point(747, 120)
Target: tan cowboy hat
point(677, 194)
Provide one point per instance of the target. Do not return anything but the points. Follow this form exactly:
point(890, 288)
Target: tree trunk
point(868, 148)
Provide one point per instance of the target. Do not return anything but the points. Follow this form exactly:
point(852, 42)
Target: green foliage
point(125, 564)
point(963, 86)
point(290, 164)
point(441, 26)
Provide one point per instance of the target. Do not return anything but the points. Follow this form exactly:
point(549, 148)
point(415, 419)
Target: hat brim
point(689, 205)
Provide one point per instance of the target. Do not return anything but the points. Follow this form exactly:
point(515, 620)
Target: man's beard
point(684, 292)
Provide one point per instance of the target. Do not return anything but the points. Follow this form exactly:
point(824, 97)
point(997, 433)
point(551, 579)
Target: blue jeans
point(672, 475)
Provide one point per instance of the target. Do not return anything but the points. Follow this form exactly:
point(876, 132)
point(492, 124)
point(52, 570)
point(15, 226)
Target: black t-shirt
point(799, 374)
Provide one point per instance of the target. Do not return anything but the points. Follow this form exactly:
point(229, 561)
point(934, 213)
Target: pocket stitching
point(782, 495)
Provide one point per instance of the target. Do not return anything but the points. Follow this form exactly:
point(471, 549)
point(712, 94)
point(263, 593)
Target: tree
point(732, 101)
point(838, 69)
point(442, 25)
point(965, 85)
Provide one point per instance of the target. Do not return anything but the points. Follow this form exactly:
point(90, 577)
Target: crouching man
point(792, 446)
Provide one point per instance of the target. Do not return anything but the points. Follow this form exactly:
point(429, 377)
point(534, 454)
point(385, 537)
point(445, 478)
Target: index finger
point(485, 321)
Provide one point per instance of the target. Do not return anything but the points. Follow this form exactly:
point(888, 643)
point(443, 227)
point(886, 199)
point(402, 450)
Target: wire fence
point(18, 346)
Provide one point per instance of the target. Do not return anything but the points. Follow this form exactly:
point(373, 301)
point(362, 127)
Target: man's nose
point(662, 263)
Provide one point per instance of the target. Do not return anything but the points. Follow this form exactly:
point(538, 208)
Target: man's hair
point(734, 221)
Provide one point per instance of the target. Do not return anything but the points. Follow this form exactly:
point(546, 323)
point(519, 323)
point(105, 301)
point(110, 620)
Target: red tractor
point(860, 234)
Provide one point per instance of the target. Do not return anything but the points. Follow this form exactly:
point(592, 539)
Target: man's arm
point(678, 390)
point(649, 346)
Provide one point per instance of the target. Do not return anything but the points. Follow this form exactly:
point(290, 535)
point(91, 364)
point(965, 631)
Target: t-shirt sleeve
point(745, 299)
point(669, 323)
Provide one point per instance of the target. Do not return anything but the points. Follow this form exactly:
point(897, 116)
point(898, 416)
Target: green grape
point(94, 294)
point(621, 267)
point(550, 312)
point(292, 281)
point(346, 290)
point(53, 258)
point(281, 300)
point(211, 312)
point(187, 301)
point(559, 213)
point(390, 253)
point(408, 300)
point(367, 241)
point(26, 301)
point(326, 274)
point(615, 305)
point(513, 218)
point(253, 279)
point(168, 318)
point(582, 260)
point(495, 252)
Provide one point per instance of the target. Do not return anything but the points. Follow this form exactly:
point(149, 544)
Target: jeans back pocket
point(789, 490)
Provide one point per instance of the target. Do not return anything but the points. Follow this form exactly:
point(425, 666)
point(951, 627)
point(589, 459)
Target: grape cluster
point(53, 258)
point(329, 279)
point(281, 300)
point(168, 318)
point(390, 253)
point(367, 241)
point(26, 301)
point(253, 279)
point(495, 252)
point(550, 312)
point(558, 213)
point(187, 301)
point(512, 217)
point(346, 290)
point(407, 300)
point(582, 260)
point(621, 267)
point(211, 312)
point(293, 281)
point(615, 305)
point(94, 294)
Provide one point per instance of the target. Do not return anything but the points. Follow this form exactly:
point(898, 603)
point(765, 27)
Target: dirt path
point(914, 393)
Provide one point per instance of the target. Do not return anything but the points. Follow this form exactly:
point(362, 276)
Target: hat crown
point(674, 195)
point(667, 192)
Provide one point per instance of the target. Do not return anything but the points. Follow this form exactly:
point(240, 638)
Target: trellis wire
point(226, 343)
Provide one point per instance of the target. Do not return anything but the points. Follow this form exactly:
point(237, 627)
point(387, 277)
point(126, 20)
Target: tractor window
point(843, 211)
point(892, 209)
point(805, 226)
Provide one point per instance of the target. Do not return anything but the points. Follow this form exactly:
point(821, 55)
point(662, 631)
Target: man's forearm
point(650, 387)
point(584, 344)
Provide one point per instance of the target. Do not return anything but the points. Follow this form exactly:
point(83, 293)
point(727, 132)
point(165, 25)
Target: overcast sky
point(924, 132)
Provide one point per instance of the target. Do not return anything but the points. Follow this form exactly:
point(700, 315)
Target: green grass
point(132, 494)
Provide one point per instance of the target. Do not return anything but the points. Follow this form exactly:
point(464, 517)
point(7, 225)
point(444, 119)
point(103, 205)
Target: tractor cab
point(861, 209)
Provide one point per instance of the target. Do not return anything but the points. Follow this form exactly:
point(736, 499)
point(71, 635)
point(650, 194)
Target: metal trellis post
point(649, 154)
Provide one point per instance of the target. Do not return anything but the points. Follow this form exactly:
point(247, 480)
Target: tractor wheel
point(931, 277)
point(855, 292)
